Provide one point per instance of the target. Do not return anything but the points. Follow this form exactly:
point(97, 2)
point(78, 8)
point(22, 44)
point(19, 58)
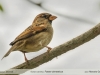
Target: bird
point(35, 37)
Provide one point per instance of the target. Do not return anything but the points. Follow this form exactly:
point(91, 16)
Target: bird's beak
point(52, 17)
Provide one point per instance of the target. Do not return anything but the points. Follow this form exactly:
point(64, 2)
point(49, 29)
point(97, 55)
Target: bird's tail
point(10, 50)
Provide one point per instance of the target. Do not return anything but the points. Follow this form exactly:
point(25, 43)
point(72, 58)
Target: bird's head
point(43, 21)
point(44, 16)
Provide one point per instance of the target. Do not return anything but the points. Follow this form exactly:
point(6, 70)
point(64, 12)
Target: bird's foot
point(26, 59)
point(49, 49)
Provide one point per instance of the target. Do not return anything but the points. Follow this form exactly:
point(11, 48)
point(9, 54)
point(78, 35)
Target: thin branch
point(63, 15)
point(75, 42)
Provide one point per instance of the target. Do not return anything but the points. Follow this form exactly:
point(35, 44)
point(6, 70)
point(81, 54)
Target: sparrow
point(34, 38)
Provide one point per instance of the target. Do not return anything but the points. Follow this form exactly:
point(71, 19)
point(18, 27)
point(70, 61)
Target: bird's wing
point(25, 34)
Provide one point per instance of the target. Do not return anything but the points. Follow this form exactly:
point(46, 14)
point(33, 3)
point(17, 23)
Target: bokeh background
point(74, 18)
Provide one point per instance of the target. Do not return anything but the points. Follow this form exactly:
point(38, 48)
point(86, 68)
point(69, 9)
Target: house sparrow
point(35, 37)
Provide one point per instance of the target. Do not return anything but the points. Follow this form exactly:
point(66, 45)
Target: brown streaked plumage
point(35, 37)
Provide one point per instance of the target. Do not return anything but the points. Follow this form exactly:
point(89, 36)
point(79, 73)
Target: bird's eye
point(44, 16)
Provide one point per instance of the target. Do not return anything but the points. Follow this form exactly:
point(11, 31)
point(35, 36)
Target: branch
point(63, 15)
point(75, 42)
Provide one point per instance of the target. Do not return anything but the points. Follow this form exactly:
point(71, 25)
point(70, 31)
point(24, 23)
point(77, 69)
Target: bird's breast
point(39, 41)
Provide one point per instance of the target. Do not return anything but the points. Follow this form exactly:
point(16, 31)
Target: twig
point(63, 15)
